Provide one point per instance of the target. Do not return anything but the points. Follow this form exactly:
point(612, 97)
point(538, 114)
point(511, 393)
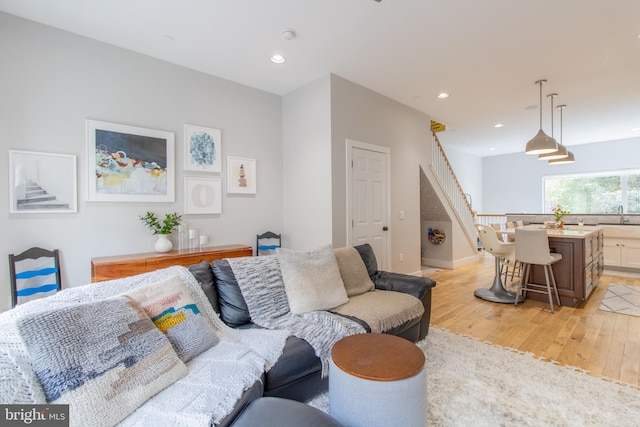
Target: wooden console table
point(116, 267)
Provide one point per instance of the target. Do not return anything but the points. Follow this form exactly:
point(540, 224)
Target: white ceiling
point(486, 54)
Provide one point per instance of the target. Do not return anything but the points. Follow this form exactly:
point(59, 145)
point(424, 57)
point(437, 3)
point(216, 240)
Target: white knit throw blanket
point(262, 287)
point(216, 379)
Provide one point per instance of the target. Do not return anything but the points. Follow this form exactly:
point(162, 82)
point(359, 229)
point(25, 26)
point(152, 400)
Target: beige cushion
point(311, 279)
point(382, 310)
point(353, 271)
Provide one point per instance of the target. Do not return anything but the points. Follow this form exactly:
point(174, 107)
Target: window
point(597, 193)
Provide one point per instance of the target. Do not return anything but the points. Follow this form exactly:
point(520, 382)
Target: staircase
point(37, 198)
point(452, 189)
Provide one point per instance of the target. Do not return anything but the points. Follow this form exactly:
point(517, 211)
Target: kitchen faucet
point(621, 213)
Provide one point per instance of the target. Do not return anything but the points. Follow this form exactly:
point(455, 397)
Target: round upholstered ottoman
point(278, 412)
point(377, 380)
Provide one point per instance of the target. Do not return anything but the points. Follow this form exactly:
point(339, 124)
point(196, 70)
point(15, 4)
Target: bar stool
point(532, 248)
point(504, 254)
point(510, 225)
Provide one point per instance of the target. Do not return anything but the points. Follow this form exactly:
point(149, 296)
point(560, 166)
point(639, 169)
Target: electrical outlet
point(401, 257)
point(401, 214)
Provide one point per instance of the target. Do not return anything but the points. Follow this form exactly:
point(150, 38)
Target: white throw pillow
point(311, 279)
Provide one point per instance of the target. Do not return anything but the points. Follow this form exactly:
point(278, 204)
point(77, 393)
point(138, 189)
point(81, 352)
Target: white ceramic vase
point(163, 244)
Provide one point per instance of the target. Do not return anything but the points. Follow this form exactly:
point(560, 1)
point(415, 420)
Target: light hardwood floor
point(600, 342)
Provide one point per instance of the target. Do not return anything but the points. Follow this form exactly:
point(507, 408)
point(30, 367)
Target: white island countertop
point(572, 231)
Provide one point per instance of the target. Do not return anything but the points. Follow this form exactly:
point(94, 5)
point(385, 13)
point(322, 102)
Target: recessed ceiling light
point(278, 59)
point(635, 129)
point(498, 125)
point(443, 95)
point(492, 149)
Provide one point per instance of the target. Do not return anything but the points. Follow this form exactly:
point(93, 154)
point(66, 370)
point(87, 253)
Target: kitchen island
point(580, 268)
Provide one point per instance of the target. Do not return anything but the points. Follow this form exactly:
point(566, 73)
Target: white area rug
point(472, 383)
point(623, 299)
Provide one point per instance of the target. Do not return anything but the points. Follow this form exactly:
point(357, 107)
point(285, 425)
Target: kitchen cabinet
point(580, 268)
point(622, 252)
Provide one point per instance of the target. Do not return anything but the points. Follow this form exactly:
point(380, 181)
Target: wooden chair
point(274, 241)
point(35, 273)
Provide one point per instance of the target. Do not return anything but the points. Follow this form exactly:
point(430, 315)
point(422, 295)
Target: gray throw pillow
point(104, 358)
point(311, 279)
point(172, 309)
point(353, 271)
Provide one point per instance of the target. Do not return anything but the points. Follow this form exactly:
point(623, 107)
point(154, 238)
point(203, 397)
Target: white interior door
point(368, 198)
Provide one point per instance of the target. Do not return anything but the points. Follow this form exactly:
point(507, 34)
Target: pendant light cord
point(540, 83)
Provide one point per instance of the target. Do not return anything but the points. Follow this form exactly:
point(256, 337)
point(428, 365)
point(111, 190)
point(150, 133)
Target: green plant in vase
point(559, 213)
point(162, 228)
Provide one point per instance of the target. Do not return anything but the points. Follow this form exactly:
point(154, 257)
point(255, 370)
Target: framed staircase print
point(42, 182)
point(129, 164)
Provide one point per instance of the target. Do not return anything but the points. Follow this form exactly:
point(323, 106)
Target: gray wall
point(307, 165)
point(51, 81)
point(512, 183)
point(363, 115)
point(318, 119)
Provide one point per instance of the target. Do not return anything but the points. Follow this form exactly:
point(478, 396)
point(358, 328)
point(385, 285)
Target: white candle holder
point(193, 238)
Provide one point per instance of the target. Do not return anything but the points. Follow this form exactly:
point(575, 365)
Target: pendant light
point(541, 143)
point(570, 158)
point(561, 152)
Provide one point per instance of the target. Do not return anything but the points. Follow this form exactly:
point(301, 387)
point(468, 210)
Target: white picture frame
point(42, 182)
point(241, 175)
point(129, 164)
point(202, 195)
point(202, 149)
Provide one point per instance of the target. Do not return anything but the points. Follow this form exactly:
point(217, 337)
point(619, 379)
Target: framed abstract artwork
point(202, 149)
point(42, 182)
point(202, 195)
point(241, 175)
point(129, 164)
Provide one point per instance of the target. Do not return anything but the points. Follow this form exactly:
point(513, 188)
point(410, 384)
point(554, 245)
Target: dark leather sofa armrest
point(405, 283)
point(419, 287)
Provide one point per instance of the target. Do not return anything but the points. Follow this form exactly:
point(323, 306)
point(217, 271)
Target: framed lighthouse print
point(241, 175)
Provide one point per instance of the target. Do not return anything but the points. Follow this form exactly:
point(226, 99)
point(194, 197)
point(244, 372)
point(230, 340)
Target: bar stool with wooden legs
point(532, 248)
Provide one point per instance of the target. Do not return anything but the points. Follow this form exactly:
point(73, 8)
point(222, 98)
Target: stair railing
point(453, 190)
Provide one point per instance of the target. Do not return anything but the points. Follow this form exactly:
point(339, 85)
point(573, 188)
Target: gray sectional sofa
point(298, 373)
point(224, 335)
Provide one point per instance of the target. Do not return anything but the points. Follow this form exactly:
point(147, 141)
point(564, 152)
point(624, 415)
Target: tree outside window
point(600, 193)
